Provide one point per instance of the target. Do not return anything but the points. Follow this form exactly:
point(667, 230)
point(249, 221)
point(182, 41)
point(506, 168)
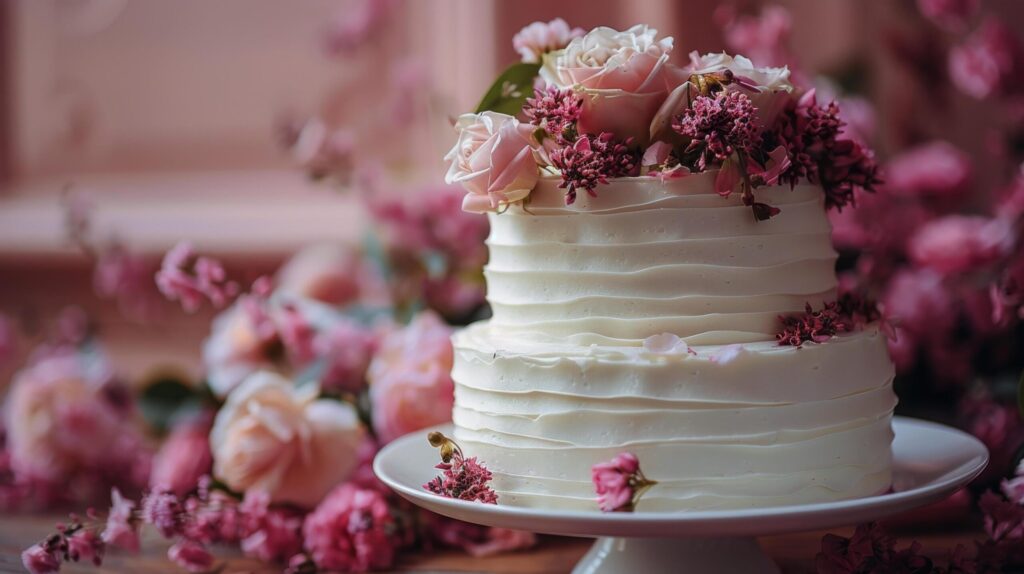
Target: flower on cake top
point(610, 104)
point(539, 38)
point(619, 483)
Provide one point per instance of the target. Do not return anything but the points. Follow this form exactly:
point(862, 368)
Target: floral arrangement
point(307, 374)
point(608, 104)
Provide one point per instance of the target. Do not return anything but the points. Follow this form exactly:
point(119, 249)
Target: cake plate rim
point(965, 458)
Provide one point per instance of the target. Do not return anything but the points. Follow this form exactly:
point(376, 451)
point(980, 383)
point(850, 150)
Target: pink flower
point(493, 159)
point(166, 512)
point(284, 441)
point(243, 339)
point(1013, 488)
point(184, 457)
point(477, 541)
point(1004, 519)
point(190, 555)
point(270, 534)
point(410, 378)
point(728, 354)
point(557, 111)
point(950, 15)
point(122, 529)
point(463, 479)
point(768, 88)
point(351, 531)
point(128, 278)
point(40, 559)
point(62, 421)
point(347, 348)
point(333, 274)
point(623, 76)
point(933, 170)
point(189, 278)
point(593, 160)
point(988, 62)
point(539, 38)
point(719, 127)
point(619, 483)
point(666, 343)
point(960, 243)
point(86, 545)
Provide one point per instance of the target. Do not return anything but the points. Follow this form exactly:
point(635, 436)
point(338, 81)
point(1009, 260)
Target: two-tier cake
point(663, 283)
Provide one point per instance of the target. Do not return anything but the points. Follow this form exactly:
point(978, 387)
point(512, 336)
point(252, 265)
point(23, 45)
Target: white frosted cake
point(559, 379)
point(654, 288)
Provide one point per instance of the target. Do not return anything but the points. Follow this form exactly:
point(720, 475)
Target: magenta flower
point(43, 558)
point(989, 62)
point(190, 555)
point(165, 511)
point(271, 534)
point(592, 160)
point(718, 127)
point(848, 312)
point(462, 478)
point(1013, 488)
point(619, 483)
point(86, 545)
point(348, 348)
point(557, 111)
point(351, 531)
point(122, 529)
point(189, 278)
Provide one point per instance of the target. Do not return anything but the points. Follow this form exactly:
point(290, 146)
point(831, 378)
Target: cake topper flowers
point(608, 104)
point(463, 478)
point(620, 483)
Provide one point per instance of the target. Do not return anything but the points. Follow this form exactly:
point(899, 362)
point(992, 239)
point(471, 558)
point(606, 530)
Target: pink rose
point(334, 274)
point(184, 457)
point(960, 243)
point(60, 421)
point(238, 345)
point(271, 437)
point(493, 159)
point(539, 38)
point(623, 77)
point(768, 88)
point(988, 62)
point(614, 481)
point(934, 170)
point(411, 386)
point(351, 531)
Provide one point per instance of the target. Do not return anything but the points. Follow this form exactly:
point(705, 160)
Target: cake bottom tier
point(717, 427)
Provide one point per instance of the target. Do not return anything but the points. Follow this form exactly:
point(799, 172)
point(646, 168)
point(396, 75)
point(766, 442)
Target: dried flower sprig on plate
point(462, 478)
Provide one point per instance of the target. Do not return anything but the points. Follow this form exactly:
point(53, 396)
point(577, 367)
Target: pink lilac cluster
point(719, 126)
point(619, 483)
point(847, 313)
point(556, 112)
point(818, 153)
point(190, 279)
point(593, 160)
point(463, 479)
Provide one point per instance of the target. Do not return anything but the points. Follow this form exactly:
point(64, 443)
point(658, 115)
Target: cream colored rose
point(623, 76)
point(493, 159)
point(274, 438)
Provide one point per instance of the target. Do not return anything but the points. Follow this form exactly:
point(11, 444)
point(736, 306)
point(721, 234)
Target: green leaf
point(509, 92)
point(164, 399)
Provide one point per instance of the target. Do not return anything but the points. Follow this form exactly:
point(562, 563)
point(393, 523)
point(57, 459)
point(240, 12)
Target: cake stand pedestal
point(930, 462)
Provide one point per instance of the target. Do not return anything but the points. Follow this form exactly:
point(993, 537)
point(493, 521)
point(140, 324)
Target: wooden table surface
point(793, 552)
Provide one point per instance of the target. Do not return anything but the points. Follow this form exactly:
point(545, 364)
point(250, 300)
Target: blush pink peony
point(493, 159)
point(410, 378)
point(351, 531)
point(623, 77)
point(271, 437)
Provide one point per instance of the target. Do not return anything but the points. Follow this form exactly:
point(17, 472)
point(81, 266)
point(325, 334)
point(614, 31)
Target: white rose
point(274, 438)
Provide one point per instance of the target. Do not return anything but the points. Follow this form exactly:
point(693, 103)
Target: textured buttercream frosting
point(560, 379)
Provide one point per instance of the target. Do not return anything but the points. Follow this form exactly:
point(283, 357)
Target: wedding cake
point(663, 283)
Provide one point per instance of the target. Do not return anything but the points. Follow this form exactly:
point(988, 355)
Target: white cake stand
point(931, 462)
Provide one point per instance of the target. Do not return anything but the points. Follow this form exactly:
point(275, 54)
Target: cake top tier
point(606, 104)
point(646, 257)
